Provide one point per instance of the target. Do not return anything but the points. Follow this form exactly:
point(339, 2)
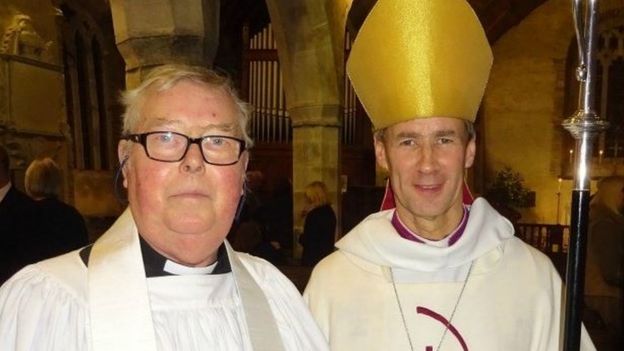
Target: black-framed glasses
point(165, 146)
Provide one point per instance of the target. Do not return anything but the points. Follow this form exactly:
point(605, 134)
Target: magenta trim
point(402, 229)
point(406, 233)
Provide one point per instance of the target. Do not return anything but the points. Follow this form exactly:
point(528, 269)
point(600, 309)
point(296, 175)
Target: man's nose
point(193, 161)
point(427, 162)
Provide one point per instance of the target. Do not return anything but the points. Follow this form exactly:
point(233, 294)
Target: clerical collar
point(157, 265)
point(179, 269)
point(449, 240)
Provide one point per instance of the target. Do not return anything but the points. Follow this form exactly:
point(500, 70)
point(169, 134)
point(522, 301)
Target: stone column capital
point(325, 115)
point(151, 33)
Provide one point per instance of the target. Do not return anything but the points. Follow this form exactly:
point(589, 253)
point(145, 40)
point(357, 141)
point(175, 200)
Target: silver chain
point(396, 294)
point(446, 327)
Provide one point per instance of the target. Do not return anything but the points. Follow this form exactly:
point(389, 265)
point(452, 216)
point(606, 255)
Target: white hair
point(165, 77)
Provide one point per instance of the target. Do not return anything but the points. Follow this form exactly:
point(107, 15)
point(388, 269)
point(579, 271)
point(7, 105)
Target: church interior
point(63, 64)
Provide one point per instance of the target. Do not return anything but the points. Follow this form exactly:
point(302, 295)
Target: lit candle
point(600, 156)
point(559, 188)
point(571, 156)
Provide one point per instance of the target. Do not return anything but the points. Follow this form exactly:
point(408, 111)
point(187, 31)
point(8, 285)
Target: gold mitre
point(419, 59)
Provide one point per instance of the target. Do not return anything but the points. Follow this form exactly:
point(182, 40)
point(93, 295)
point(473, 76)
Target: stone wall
point(41, 22)
point(32, 109)
point(522, 114)
point(35, 120)
point(524, 107)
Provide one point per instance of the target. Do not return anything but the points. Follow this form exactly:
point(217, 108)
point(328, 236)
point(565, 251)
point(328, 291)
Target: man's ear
point(123, 154)
point(245, 160)
point(471, 150)
point(380, 153)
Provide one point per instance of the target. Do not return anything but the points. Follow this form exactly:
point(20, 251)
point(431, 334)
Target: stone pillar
point(310, 43)
point(316, 156)
point(150, 33)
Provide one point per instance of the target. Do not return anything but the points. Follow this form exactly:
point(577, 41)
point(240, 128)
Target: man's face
point(426, 160)
point(184, 209)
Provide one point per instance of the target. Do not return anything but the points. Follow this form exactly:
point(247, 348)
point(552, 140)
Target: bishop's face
point(184, 209)
point(426, 160)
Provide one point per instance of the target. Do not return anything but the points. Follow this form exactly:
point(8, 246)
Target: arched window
point(84, 99)
point(86, 95)
point(609, 94)
point(103, 124)
point(611, 90)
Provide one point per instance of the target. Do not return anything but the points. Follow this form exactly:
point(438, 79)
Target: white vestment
point(511, 300)
point(49, 305)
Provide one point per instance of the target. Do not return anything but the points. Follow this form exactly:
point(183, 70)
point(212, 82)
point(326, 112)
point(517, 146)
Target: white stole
point(119, 305)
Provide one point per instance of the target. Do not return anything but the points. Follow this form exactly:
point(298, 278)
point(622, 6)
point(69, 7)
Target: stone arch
point(310, 43)
point(309, 47)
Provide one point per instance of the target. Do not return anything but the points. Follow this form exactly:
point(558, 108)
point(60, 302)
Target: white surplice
point(511, 301)
point(52, 305)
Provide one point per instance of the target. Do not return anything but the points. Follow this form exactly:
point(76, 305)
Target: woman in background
point(63, 227)
point(319, 227)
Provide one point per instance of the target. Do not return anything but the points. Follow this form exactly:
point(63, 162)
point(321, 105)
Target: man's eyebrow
point(446, 132)
point(161, 122)
point(408, 134)
point(164, 122)
point(439, 133)
point(222, 127)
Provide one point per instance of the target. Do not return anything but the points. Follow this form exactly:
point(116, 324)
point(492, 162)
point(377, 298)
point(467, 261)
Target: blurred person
point(248, 231)
point(251, 234)
point(431, 273)
point(604, 275)
point(278, 215)
point(18, 224)
point(319, 227)
point(64, 226)
point(163, 277)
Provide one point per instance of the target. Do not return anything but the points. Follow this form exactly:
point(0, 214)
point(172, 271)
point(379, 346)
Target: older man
point(163, 276)
point(432, 273)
